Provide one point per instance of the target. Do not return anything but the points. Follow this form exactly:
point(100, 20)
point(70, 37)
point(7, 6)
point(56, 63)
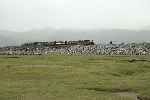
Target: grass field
point(74, 78)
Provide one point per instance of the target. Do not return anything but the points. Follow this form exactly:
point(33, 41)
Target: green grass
point(73, 77)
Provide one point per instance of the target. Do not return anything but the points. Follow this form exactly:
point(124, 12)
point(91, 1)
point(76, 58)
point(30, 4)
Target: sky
point(20, 15)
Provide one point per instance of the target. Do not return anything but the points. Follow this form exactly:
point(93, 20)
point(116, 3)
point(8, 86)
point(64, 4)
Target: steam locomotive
point(59, 43)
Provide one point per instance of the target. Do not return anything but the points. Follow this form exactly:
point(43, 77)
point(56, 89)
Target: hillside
point(49, 34)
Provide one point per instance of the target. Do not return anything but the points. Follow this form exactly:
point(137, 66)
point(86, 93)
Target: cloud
point(28, 14)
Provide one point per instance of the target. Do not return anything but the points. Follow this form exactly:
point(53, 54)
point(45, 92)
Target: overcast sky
point(75, 14)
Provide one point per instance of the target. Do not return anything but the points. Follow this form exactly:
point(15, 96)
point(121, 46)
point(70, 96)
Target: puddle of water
point(131, 95)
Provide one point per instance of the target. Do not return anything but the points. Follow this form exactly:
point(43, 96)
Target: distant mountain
point(49, 34)
point(6, 39)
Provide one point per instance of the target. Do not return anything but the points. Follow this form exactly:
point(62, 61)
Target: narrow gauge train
point(56, 44)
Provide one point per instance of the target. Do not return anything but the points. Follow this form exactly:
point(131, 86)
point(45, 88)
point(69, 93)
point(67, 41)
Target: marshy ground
point(74, 78)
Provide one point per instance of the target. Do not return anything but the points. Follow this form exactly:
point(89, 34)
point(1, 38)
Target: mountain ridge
point(50, 34)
